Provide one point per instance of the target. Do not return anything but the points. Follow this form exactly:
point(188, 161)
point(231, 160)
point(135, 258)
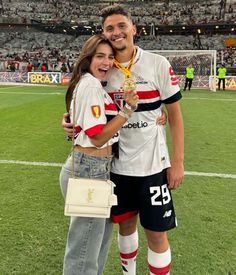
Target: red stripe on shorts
point(123, 217)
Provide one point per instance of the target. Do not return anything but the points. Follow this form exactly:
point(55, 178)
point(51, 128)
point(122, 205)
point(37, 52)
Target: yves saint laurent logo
point(90, 195)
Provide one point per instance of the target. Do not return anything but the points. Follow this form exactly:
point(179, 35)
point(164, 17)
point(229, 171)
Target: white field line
point(48, 164)
point(52, 164)
point(203, 174)
point(12, 87)
point(21, 84)
point(211, 99)
point(185, 98)
point(19, 93)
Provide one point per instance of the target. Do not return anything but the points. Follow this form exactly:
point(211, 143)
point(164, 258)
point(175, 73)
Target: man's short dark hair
point(114, 9)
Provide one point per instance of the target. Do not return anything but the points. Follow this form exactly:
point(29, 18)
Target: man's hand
point(162, 119)
point(66, 125)
point(175, 175)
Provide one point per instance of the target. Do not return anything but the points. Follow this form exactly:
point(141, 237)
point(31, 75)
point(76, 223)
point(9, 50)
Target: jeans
point(88, 239)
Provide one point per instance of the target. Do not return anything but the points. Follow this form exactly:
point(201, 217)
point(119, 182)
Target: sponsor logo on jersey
point(173, 78)
point(96, 110)
point(140, 80)
point(139, 124)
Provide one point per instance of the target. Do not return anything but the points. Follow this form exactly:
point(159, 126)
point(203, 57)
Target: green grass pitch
point(33, 228)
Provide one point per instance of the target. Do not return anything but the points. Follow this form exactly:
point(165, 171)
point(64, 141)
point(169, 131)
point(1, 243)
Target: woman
point(88, 238)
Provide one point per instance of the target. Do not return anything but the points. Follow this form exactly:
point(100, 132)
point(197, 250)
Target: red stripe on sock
point(129, 255)
point(159, 270)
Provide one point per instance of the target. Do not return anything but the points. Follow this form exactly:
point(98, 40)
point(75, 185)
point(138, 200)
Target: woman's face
point(102, 61)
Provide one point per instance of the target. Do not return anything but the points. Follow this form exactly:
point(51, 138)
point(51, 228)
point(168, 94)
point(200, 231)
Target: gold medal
point(129, 83)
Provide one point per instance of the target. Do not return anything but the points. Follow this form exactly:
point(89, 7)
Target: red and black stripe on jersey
point(148, 100)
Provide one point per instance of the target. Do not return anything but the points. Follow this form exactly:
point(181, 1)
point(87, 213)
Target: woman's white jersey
point(94, 107)
point(142, 143)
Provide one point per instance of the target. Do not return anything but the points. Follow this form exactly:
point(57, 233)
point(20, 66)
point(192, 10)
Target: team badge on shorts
point(96, 110)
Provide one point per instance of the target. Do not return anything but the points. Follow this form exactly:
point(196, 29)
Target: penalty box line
point(53, 164)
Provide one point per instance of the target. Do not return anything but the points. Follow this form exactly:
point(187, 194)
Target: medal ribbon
point(126, 70)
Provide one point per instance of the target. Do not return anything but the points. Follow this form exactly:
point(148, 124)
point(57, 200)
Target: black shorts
point(147, 196)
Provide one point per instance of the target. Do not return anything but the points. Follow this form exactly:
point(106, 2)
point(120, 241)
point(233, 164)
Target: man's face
point(120, 31)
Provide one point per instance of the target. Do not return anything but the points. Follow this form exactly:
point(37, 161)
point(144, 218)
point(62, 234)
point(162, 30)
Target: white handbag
point(89, 198)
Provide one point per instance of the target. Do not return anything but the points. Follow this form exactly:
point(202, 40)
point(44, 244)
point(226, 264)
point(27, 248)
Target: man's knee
point(128, 227)
point(157, 239)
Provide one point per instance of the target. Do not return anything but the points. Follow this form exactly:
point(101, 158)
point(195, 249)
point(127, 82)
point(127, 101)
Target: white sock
point(128, 246)
point(159, 263)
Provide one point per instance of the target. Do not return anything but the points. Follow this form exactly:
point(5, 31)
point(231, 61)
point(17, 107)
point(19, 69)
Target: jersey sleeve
point(169, 87)
point(90, 111)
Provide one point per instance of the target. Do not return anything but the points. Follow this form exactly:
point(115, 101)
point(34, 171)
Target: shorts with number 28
point(147, 196)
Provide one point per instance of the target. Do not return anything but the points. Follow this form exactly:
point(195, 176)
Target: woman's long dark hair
point(83, 63)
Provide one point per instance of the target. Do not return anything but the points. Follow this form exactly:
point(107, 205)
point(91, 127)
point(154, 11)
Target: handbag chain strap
point(73, 137)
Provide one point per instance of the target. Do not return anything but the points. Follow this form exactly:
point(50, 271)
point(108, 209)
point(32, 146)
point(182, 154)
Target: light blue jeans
point(88, 239)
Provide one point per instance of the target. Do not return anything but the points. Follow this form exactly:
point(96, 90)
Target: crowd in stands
point(143, 12)
point(40, 47)
point(27, 44)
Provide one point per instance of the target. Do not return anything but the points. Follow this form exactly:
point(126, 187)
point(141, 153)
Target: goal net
point(203, 61)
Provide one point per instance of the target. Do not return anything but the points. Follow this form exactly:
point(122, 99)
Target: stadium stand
point(52, 32)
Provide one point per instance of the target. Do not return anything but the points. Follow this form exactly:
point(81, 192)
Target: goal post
point(203, 61)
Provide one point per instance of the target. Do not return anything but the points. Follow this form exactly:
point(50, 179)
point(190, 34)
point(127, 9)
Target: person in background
point(43, 68)
point(189, 77)
point(97, 123)
point(63, 68)
point(221, 76)
point(12, 67)
point(142, 171)
point(29, 67)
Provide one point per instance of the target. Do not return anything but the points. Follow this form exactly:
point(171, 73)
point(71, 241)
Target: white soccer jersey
point(94, 107)
point(142, 144)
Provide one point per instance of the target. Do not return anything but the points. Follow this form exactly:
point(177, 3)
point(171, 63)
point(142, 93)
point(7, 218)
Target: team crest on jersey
point(96, 110)
point(173, 78)
point(119, 100)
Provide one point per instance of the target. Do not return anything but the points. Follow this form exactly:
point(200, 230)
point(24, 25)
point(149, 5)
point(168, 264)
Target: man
point(189, 77)
point(142, 173)
point(221, 76)
point(29, 67)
